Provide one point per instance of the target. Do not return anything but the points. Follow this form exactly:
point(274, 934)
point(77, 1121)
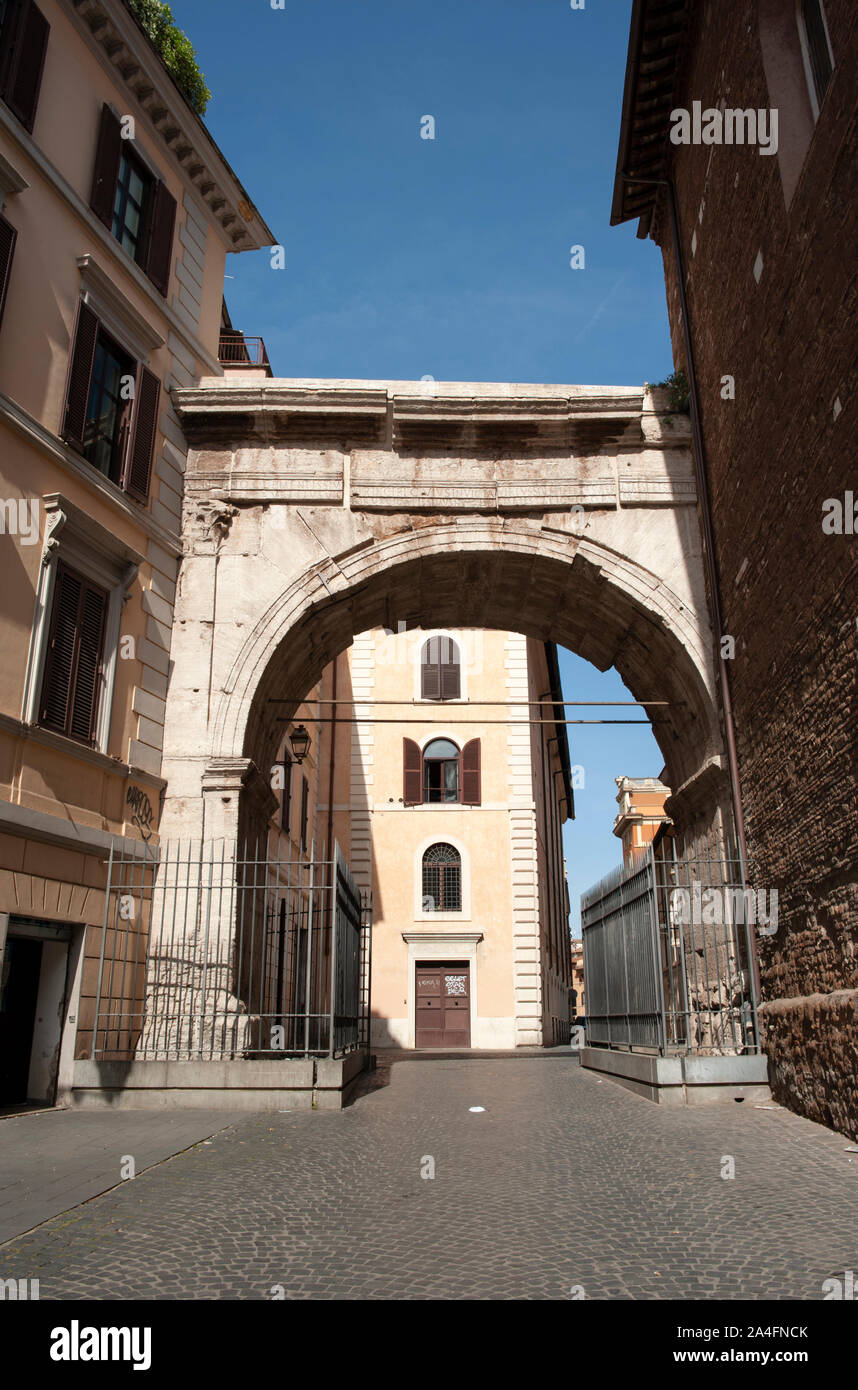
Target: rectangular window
point(305, 808)
point(131, 206)
point(134, 205)
point(23, 44)
point(72, 680)
point(440, 670)
point(111, 407)
point(108, 412)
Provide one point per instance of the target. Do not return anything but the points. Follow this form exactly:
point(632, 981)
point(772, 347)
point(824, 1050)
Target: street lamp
point(300, 743)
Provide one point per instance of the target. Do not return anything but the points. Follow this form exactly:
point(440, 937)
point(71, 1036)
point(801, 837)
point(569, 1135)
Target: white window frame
point(81, 543)
point(431, 946)
point(442, 838)
point(426, 636)
point(115, 312)
point(805, 53)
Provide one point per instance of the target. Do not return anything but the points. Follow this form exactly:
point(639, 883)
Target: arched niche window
point(442, 879)
point(442, 773)
point(440, 670)
point(816, 49)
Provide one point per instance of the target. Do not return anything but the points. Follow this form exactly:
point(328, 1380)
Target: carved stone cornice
point(405, 415)
point(111, 27)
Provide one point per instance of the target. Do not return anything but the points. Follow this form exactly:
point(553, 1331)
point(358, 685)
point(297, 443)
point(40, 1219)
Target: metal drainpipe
point(711, 564)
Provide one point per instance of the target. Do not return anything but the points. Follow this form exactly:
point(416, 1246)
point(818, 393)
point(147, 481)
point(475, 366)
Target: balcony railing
point(235, 350)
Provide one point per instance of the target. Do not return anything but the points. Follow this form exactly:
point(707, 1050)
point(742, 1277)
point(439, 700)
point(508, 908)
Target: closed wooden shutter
point(24, 41)
point(162, 227)
point(70, 688)
point(106, 174)
point(84, 704)
point(440, 670)
point(138, 465)
point(80, 376)
point(8, 237)
point(471, 789)
point(450, 680)
point(8, 41)
point(412, 773)
point(286, 803)
point(430, 671)
point(305, 806)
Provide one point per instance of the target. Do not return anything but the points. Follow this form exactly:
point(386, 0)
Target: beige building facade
point(450, 776)
point(117, 213)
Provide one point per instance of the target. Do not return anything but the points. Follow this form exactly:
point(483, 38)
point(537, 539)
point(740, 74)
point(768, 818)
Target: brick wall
point(785, 332)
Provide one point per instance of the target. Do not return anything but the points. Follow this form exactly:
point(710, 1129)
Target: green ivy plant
point(678, 391)
point(177, 52)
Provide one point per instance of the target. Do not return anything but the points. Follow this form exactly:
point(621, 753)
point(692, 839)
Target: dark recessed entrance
point(22, 963)
point(33, 989)
point(443, 1011)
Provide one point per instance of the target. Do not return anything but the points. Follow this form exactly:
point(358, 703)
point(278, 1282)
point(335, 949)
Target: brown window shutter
point(107, 157)
point(70, 690)
point(430, 679)
point(8, 237)
point(62, 643)
point(80, 375)
point(412, 772)
point(471, 788)
point(84, 705)
point(138, 464)
point(163, 223)
point(450, 680)
point(25, 43)
point(8, 42)
point(286, 803)
point(305, 806)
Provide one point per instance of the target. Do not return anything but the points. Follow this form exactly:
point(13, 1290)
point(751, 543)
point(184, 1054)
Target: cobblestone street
point(563, 1180)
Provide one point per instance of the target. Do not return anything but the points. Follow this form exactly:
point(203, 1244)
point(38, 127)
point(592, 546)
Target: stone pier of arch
point(315, 510)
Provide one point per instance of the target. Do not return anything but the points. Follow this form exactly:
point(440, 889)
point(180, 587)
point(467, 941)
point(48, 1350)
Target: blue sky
point(448, 257)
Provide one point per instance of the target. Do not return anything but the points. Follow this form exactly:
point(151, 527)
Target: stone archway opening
point(317, 513)
point(318, 510)
point(566, 600)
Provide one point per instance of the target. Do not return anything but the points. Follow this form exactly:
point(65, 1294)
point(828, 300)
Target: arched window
point(440, 670)
point(441, 771)
point(442, 879)
point(818, 59)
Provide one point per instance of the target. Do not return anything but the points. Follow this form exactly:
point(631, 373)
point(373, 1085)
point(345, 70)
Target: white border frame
point(431, 946)
point(112, 566)
point(455, 635)
point(419, 914)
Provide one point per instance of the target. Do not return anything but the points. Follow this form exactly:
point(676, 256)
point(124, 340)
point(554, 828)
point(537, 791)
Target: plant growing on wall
point(177, 52)
point(678, 390)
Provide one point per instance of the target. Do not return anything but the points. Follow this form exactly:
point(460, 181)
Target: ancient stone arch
point(316, 510)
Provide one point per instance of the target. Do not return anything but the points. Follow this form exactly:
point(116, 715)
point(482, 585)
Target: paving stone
point(560, 1182)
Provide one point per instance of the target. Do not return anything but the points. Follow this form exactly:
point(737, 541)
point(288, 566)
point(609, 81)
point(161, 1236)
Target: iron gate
point(208, 954)
point(667, 956)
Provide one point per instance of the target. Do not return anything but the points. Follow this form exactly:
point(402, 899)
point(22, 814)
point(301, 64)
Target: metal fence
point(667, 956)
point(208, 954)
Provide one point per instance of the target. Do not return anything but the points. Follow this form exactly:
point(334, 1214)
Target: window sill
point(442, 917)
point(49, 738)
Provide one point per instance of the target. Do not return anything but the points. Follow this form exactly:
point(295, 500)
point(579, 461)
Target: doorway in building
point(32, 1000)
point(443, 1004)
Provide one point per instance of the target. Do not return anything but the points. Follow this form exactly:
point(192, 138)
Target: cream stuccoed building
point(439, 765)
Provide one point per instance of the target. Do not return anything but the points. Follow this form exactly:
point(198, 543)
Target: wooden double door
point(443, 1009)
